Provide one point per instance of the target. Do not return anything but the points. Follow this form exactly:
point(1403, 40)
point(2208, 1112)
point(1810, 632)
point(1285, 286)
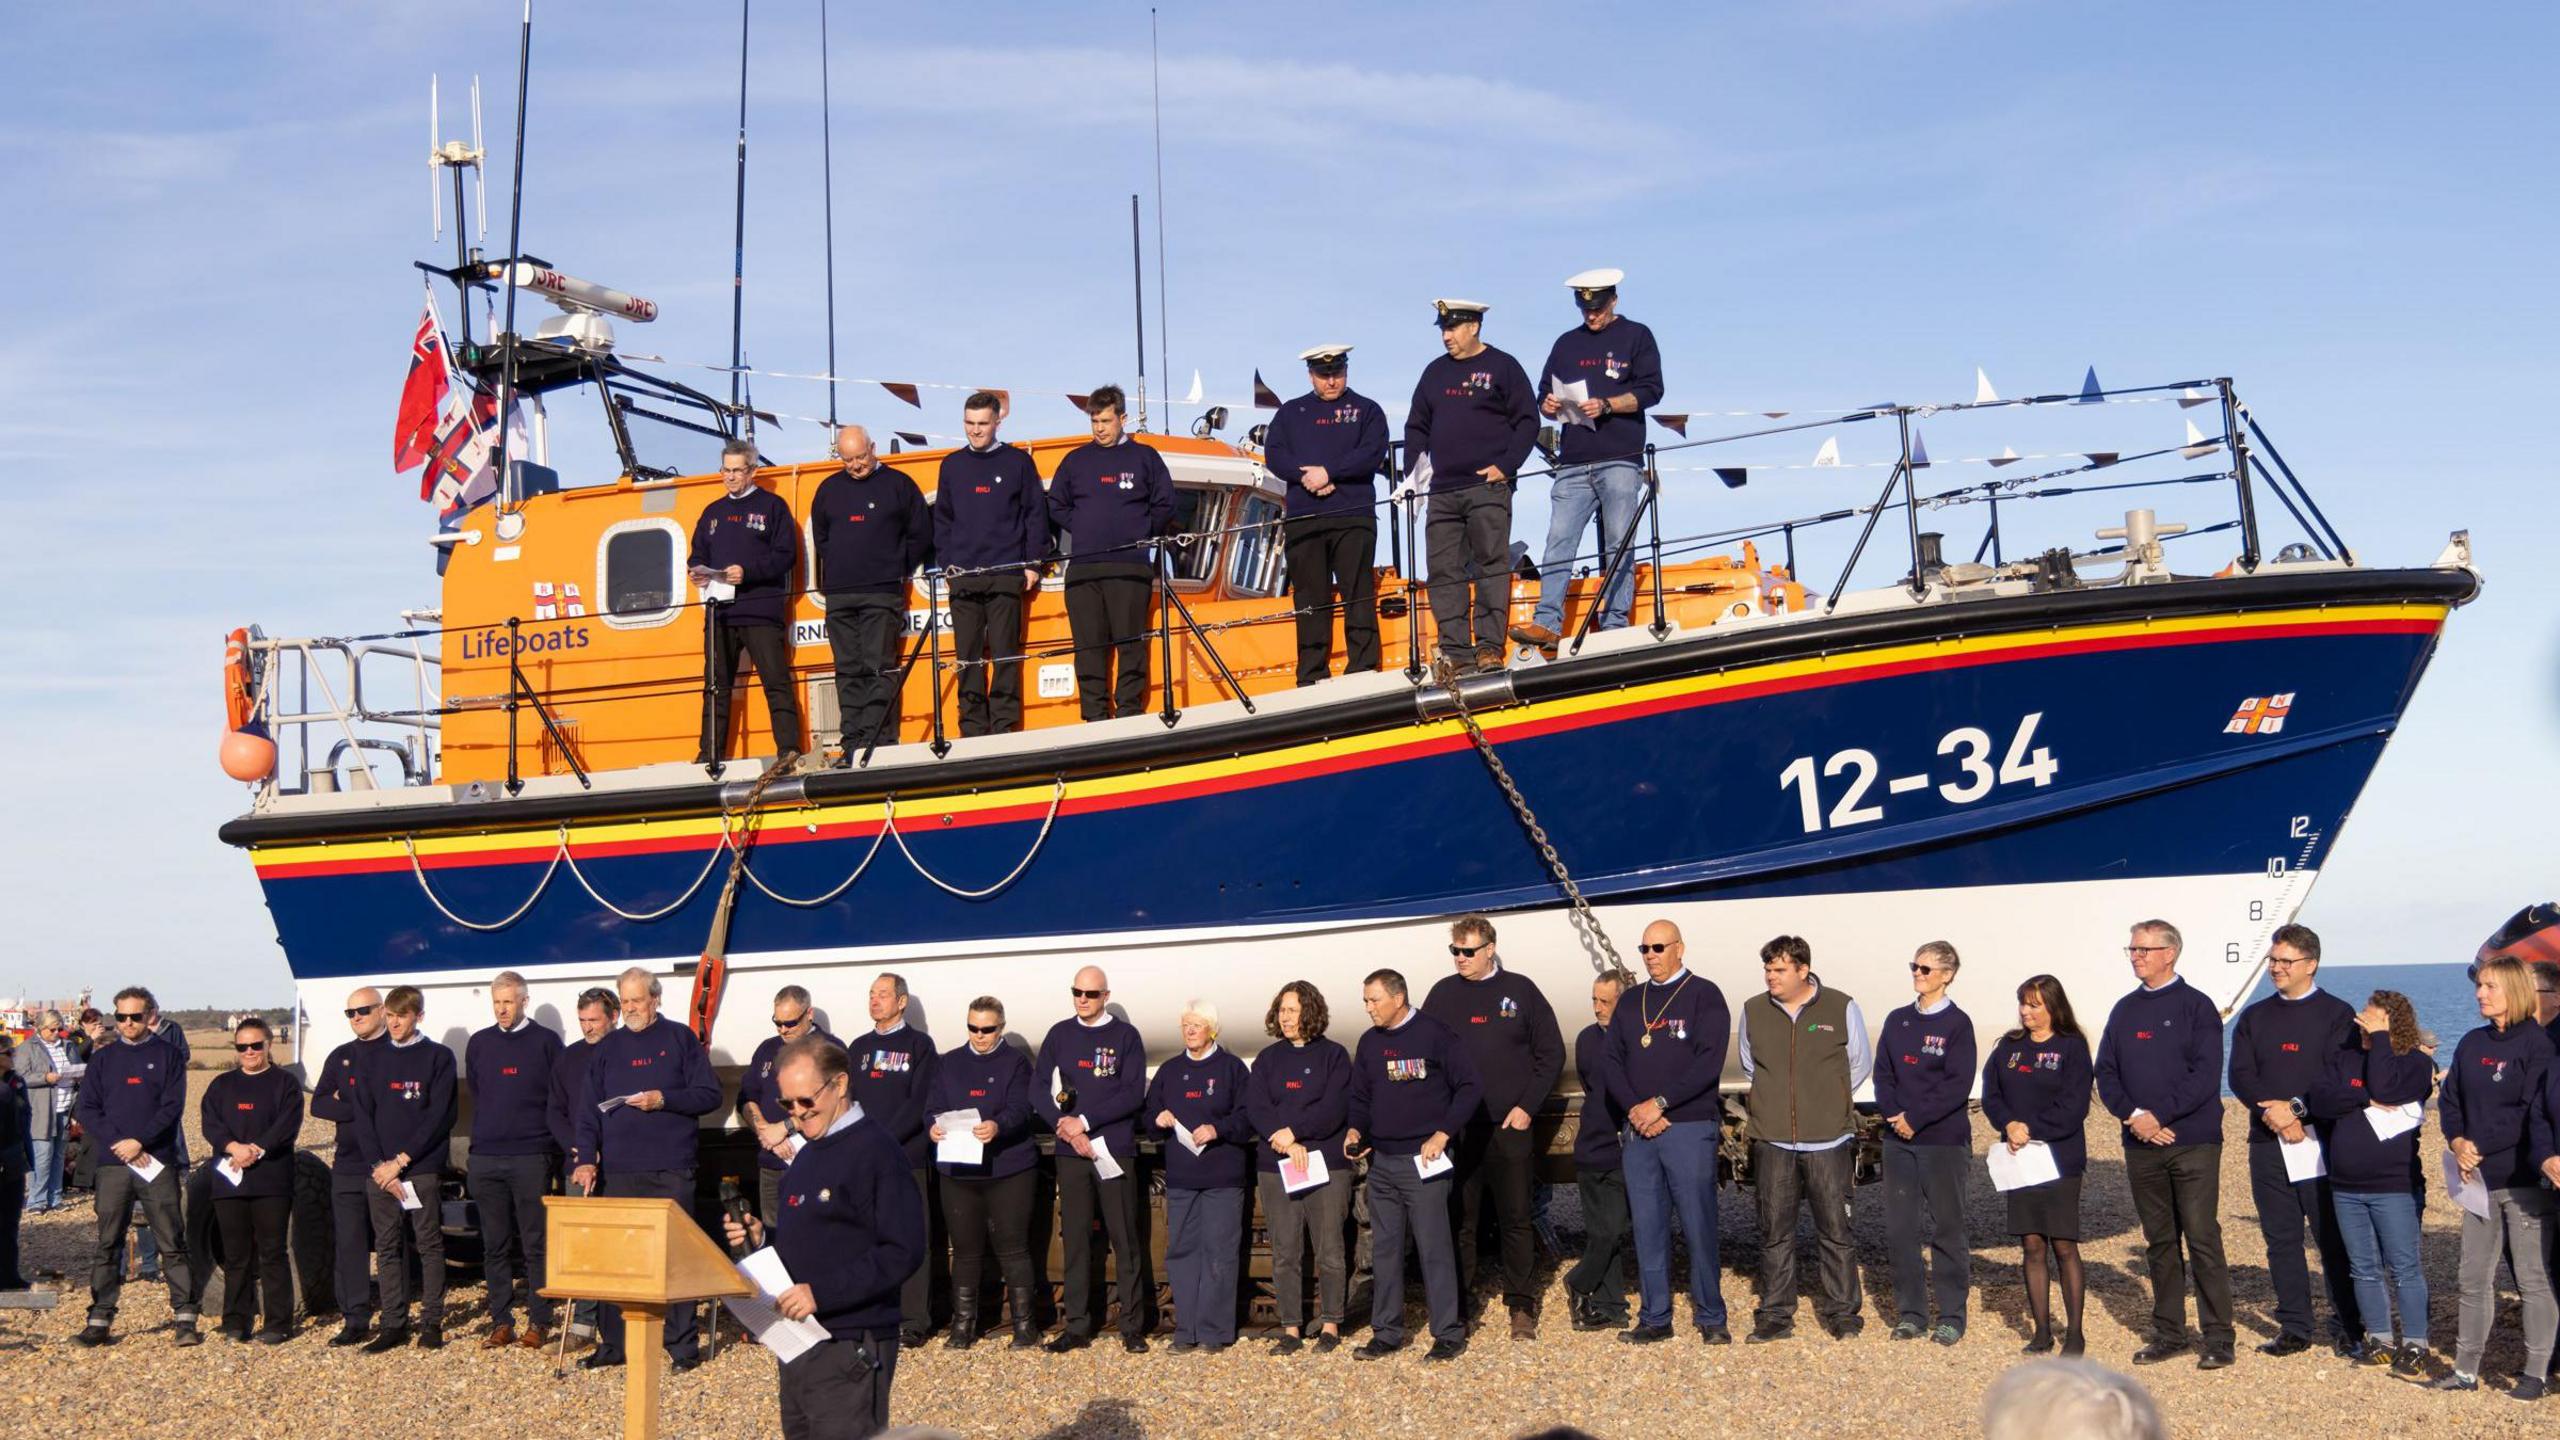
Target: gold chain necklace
point(1650, 1017)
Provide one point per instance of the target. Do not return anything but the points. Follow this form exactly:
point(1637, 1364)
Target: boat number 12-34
point(2022, 762)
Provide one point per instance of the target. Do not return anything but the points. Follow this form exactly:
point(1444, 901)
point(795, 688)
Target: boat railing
point(326, 701)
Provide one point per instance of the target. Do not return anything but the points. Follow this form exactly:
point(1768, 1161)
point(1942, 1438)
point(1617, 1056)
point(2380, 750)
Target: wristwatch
point(2300, 1110)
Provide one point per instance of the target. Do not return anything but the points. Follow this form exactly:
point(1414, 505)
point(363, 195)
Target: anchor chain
point(1583, 917)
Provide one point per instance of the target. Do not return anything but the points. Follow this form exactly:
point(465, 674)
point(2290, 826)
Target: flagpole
point(827, 159)
point(738, 254)
point(507, 496)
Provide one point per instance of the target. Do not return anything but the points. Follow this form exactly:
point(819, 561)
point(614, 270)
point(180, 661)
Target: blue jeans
point(2381, 1233)
point(1613, 488)
point(44, 1181)
point(1675, 1172)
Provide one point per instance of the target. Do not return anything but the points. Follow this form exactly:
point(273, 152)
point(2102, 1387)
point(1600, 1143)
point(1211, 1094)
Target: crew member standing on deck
point(1924, 1076)
point(793, 1017)
point(508, 1067)
point(1413, 1090)
point(406, 1103)
point(1110, 498)
point(131, 1106)
point(333, 1098)
point(868, 531)
point(1667, 1042)
point(892, 1071)
point(747, 544)
point(1596, 1287)
point(645, 1145)
point(2280, 1052)
point(1599, 452)
point(1326, 447)
point(991, 533)
point(1087, 1085)
point(1805, 1049)
point(852, 1230)
point(1511, 1034)
point(1475, 417)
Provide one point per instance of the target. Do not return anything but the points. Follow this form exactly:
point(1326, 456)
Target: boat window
point(1255, 570)
point(1197, 511)
point(640, 573)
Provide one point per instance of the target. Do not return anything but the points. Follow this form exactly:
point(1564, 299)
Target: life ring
point(239, 706)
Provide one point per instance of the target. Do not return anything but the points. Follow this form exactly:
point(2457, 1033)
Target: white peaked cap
point(1444, 306)
point(1600, 279)
point(1324, 352)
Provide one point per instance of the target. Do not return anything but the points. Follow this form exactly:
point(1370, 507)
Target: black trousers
point(1334, 561)
point(2288, 1214)
point(864, 631)
point(1924, 1212)
point(2177, 1194)
point(1107, 615)
point(13, 1194)
point(1467, 535)
point(839, 1391)
point(351, 1231)
point(1082, 1196)
point(253, 1239)
point(118, 1189)
point(915, 1297)
point(769, 647)
point(398, 1232)
point(984, 1213)
point(986, 637)
point(509, 1189)
point(1496, 1171)
point(1599, 1278)
point(1786, 1181)
point(676, 1185)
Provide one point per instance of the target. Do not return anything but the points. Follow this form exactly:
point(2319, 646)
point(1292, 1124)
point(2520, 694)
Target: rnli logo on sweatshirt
point(2141, 1034)
point(2290, 1048)
point(246, 1105)
point(1400, 1071)
point(506, 1069)
point(977, 1094)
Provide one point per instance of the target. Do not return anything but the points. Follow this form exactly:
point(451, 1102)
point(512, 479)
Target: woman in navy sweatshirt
point(251, 1115)
point(990, 1200)
point(1923, 1079)
point(2364, 1092)
point(1299, 1102)
point(1196, 1106)
point(2035, 1090)
point(2487, 1108)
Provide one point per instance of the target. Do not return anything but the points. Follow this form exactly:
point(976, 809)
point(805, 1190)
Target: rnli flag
point(2260, 715)
point(422, 395)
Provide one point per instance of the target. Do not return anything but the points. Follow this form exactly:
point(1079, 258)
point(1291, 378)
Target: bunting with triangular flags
point(1676, 424)
point(2197, 446)
point(1076, 400)
point(2090, 393)
point(1919, 452)
point(2008, 456)
point(912, 438)
point(1733, 476)
point(1262, 397)
point(2100, 459)
point(1829, 455)
point(904, 391)
point(2191, 397)
point(1983, 394)
point(1775, 414)
point(1194, 397)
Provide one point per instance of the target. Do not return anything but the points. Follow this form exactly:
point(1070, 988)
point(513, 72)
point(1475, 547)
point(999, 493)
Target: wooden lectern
point(643, 1255)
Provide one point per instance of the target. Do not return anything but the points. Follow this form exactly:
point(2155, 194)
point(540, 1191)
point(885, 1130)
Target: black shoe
point(1715, 1335)
point(2215, 1357)
point(1445, 1350)
point(600, 1359)
point(1907, 1330)
point(2284, 1345)
point(187, 1335)
point(2354, 1352)
point(352, 1334)
point(2528, 1388)
point(1068, 1340)
point(2074, 1344)
point(683, 1364)
point(2377, 1355)
point(1767, 1333)
point(1134, 1344)
point(1026, 1335)
point(961, 1337)
point(236, 1334)
point(2159, 1350)
point(914, 1339)
point(1645, 1334)
point(1375, 1350)
point(1327, 1343)
point(2041, 1343)
point(2409, 1362)
point(387, 1341)
point(1844, 1328)
point(274, 1337)
point(93, 1335)
point(431, 1337)
point(1948, 1334)
point(1182, 1347)
point(1287, 1345)
point(1216, 1347)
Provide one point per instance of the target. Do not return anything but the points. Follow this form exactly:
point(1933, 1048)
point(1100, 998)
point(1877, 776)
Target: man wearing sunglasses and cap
point(1475, 417)
point(1599, 454)
point(333, 1098)
point(1326, 447)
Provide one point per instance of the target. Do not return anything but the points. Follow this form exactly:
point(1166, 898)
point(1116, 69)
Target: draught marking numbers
point(2023, 762)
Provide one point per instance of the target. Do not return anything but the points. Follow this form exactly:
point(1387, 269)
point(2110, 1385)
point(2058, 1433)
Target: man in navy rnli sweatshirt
point(1087, 1084)
point(1413, 1089)
point(1326, 447)
point(1109, 499)
point(660, 1085)
point(1596, 1287)
point(132, 1103)
point(991, 536)
point(1511, 1034)
point(2280, 1052)
point(406, 1102)
point(852, 1229)
point(508, 1067)
point(2160, 1072)
point(892, 1071)
point(746, 539)
point(333, 1098)
point(1667, 1043)
point(1599, 451)
point(760, 1104)
point(868, 531)
point(1475, 415)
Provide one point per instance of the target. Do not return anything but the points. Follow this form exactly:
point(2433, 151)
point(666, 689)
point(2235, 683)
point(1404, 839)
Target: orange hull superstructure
point(610, 632)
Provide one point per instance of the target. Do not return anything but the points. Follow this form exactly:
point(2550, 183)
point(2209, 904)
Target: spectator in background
point(2546, 998)
point(14, 1160)
point(93, 1033)
point(43, 1067)
point(2049, 1399)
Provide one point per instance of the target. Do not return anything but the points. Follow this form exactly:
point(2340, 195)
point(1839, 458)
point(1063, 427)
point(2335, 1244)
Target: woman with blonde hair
point(1196, 1105)
point(2490, 1093)
point(2367, 1110)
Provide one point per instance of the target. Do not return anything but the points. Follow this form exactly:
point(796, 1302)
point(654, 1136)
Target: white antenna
point(435, 142)
point(443, 154)
point(479, 173)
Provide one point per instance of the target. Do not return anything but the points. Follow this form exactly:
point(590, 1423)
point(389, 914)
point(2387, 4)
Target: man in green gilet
point(1805, 1049)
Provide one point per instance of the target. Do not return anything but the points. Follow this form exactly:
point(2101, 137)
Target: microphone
point(733, 1204)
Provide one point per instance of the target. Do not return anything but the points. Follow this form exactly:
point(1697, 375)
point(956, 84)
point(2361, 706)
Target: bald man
point(1665, 1063)
point(350, 1211)
point(869, 530)
point(1087, 1085)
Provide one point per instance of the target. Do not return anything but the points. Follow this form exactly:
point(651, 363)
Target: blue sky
point(1829, 203)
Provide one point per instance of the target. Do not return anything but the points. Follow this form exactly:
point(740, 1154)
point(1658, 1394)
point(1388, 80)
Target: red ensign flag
point(421, 395)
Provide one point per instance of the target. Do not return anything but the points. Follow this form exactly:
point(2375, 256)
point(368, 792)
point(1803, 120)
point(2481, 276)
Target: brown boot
point(1492, 658)
point(499, 1339)
point(1530, 632)
point(534, 1337)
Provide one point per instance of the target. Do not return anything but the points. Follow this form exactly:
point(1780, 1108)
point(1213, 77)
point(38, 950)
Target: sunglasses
point(802, 1104)
point(986, 1029)
point(2144, 949)
point(252, 1045)
point(133, 1017)
point(1919, 969)
point(362, 1011)
point(1086, 994)
point(1662, 949)
point(793, 1023)
point(1468, 952)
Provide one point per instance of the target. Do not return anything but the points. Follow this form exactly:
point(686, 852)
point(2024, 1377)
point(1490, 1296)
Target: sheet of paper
point(409, 1197)
point(616, 1103)
point(148, 1167)
point(1295, 1177)
point(1189, 1142)
point(959, 1144)
point(793, 1144)
point(2019, 1169)
point(2390, 1122)
point(1426, 1167)
point(2471, 1194)
point(2302, 1158)
point(72, 1072)
point(1569, 396)
point(228, 1171)
point(1103, 1164)
point(787, 1339)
